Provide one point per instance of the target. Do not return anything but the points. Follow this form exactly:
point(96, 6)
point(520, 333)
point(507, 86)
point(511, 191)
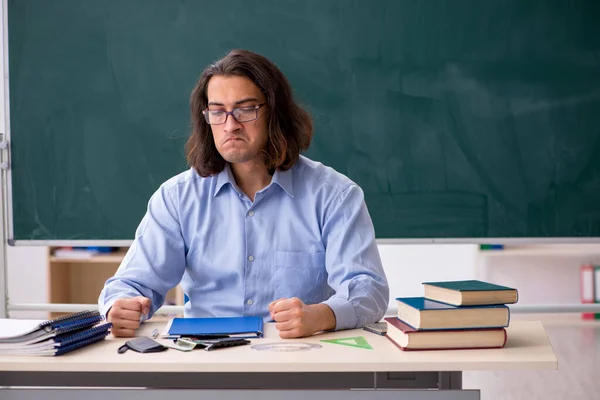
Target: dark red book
point(587, 288)
point(408, 338)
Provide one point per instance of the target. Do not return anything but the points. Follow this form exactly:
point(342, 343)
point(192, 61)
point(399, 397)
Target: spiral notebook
point(60, 344)
point(51, 328)
point(56, 336)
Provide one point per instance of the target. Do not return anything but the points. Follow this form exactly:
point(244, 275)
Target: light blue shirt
point(308, 234)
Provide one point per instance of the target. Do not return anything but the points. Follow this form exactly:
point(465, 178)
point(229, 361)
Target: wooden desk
point(332, 366)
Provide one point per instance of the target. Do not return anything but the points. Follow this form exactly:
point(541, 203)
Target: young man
point(253, 228)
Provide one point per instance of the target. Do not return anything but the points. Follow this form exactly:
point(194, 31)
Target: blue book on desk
point(241, 327)
point(423, 314)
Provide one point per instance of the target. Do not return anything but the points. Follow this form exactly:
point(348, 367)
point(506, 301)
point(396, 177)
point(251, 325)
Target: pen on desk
point(154, 333)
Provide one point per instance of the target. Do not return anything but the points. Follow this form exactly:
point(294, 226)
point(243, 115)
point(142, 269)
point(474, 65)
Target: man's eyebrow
point(246, 100)
point(237, 103)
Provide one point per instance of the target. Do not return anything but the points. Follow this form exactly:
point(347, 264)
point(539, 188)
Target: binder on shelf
point(597, 288)
point(587, 287)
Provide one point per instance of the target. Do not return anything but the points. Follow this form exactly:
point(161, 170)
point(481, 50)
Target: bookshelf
point(555, 250)
point(79, 278)
point(545, 274)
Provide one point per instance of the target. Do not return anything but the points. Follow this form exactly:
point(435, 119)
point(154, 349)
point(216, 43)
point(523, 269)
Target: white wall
point(407, 266)
point(27, 278)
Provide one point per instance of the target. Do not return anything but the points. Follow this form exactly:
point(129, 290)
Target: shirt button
point(251, 213)
point(250, 258)
point(249, 302)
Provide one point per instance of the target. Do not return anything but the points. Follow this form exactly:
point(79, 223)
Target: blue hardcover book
point(423, 314)
point(470, 293)
point(242, 327)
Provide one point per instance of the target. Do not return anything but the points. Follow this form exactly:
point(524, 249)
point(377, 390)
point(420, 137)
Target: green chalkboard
point(458, 118)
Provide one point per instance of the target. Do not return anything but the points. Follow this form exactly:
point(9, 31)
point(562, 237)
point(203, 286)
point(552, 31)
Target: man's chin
point(237, 158)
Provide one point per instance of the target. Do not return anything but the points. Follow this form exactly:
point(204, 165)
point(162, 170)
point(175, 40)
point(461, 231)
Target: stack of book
point(56, 336)
point(453, 315)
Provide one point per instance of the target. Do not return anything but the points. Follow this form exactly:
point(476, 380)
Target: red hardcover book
point(408, 338)
point(597, 288)
point(587, 288)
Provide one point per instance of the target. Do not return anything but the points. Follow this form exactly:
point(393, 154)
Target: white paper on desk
point(15, 327)
point(165, 331)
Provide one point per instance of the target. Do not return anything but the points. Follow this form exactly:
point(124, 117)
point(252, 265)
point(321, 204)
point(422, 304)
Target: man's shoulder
point(316, 174)
point(184, 180)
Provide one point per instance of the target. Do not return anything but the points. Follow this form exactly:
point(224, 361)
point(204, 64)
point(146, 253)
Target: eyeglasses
point(242, 114)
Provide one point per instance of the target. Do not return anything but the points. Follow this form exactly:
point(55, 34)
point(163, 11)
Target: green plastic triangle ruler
point(357, 341)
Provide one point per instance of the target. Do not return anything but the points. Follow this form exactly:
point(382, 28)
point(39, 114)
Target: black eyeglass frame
point(228, 113)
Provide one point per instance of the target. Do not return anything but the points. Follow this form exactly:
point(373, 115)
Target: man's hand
point(125, 315)
point(295, 319)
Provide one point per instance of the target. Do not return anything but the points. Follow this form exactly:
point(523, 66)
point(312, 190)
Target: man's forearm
point(365, 303)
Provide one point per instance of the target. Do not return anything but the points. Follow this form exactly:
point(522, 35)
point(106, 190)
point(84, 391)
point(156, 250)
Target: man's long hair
point(290, 127)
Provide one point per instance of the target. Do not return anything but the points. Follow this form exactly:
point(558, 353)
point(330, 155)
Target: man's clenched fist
point(126, 314)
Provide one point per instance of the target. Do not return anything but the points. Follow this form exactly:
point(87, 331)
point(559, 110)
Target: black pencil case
point(142, 345)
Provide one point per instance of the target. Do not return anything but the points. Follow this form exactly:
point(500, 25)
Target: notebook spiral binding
point(82, 335)
point(76, 325)
point(68, 318)
point(76, 345)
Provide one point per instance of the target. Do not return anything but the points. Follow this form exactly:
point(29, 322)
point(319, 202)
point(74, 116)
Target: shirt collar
point(282, 178)
point(224, 177)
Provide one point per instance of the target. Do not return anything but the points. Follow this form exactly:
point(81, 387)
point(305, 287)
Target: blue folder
point(242, 327)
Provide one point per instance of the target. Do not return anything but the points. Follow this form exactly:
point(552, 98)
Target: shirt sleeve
point(155, 262)
point(353, 262)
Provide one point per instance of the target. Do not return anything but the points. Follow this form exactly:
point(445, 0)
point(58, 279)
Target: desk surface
point(527, 348)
